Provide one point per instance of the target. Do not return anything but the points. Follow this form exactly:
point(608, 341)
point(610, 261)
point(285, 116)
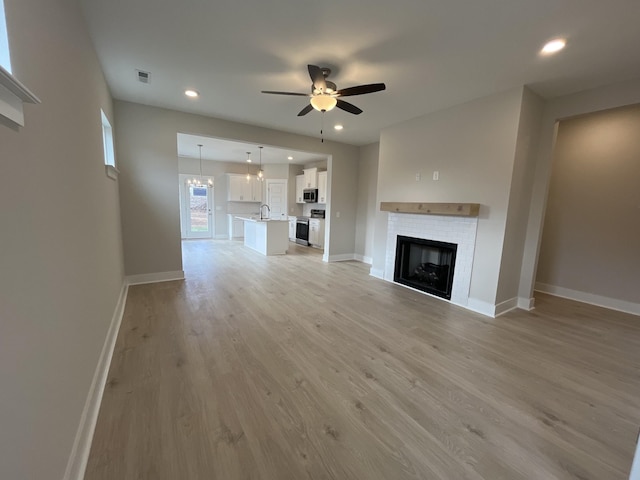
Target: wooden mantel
point(454, 209)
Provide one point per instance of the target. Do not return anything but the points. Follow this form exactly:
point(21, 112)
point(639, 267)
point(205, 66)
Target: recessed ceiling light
point(553, 46)
point(191, 93)
point(289, 157)
point(338, 127)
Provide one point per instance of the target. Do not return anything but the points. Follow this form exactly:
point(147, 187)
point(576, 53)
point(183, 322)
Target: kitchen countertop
point(257, 219)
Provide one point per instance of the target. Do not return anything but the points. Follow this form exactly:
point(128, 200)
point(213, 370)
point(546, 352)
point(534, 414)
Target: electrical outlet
point(337, 214)
point(418, 176)
point(436, 175)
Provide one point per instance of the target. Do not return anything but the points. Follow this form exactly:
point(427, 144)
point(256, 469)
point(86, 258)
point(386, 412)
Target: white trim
point(111, 171)
point(79, 457)
point(217, 237)
point(107, 141)
point(155, 277)
point(363, 259)
point(377, 272)
point(590, 298)
point(506, 306)
point(342, 257)
point(480, 306)
point(527, 304)
point(13, 95)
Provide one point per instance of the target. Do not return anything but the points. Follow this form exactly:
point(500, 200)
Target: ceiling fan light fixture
point(323, 103)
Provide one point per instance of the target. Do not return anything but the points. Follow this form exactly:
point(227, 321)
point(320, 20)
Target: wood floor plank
point(290, 368)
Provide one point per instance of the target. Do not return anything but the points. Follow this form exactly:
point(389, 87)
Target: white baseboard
point(527, 304)
point(482, 307)
point(506, 306)
point(590, 298)
point(79, 457)
point(342, 258)
point(155, 277)
point(222, 237)
point(363, 259)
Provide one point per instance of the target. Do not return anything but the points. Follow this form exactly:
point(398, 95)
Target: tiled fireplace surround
point(452, 229)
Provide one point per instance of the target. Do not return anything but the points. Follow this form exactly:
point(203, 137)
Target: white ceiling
point(232, 151)
point(430, 53)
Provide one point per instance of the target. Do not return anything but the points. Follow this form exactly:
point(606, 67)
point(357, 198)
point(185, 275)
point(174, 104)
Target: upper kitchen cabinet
point(322, 187)
point(300, 186)
point(242, 190)
point(310, 178)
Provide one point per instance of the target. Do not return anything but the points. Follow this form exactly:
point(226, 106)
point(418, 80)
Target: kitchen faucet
point(268, 210)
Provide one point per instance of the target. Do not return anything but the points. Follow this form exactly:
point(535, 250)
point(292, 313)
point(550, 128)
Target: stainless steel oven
point(302, 230)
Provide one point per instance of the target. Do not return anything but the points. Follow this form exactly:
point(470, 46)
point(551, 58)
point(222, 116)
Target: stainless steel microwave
point(310, 195)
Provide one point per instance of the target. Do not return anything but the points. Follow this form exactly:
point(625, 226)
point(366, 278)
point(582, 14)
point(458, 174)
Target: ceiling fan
point(325, 95)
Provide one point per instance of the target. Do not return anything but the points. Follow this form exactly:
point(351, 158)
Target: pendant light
point(199, 182)
point(260, 172)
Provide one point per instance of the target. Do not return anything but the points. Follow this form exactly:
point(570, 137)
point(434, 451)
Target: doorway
point(196, 207)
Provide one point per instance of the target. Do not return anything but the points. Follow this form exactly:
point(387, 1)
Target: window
point(13, 94)
point(107, 145)
point(5, 58)
point(107, 141)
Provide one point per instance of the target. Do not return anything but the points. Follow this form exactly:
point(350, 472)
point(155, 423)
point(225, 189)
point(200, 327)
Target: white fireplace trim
point(459, 230)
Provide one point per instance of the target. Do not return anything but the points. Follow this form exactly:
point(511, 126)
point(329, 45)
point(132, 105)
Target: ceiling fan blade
point(361, 89)
point(348, 107)
point(317, 78)
point(305, 110)
point(287, 93)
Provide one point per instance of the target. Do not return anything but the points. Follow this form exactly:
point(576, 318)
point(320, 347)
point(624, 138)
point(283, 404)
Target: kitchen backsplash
point(243, 207)
point(307, 207)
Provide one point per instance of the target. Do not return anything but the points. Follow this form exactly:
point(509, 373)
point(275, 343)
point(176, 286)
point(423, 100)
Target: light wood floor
point(289, 368)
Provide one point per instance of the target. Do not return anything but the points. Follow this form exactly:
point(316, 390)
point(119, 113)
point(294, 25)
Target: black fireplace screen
point(426, 265)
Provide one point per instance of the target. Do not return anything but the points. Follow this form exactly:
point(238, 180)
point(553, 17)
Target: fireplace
point(426, 265)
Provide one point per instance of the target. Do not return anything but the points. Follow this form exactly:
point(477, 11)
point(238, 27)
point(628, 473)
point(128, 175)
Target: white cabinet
point(316, 232)
point(292, 229)
point(299, 189)
point(322, 187)
point(266, 237)
point(236, 227)
point(310, 178)
point(256, 188)
point(239, 189)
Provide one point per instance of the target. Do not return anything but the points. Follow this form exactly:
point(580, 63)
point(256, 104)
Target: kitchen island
point(268, 237)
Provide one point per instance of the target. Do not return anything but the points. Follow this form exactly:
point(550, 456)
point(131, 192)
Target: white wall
point(519, 201)
point(472, 146)
point(365, 219)
point(147, 153)
point(610, 96)
point(61, 265)
point(591, 233)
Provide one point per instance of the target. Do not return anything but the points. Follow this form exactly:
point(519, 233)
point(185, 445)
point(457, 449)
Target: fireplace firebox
point(426, 265)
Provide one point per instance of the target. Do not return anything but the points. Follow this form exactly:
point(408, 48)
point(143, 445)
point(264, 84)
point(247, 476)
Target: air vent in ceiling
point(143, 77)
